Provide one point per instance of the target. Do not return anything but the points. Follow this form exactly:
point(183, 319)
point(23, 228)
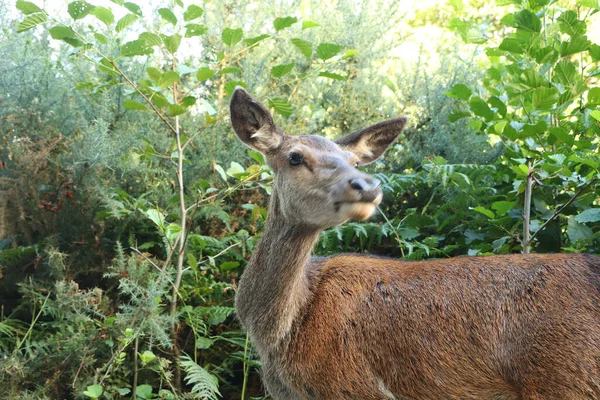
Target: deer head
point(316, 180)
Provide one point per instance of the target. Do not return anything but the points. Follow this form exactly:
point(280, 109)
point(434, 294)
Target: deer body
point(361, 327)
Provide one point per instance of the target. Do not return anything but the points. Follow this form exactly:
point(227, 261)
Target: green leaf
point(151, 39)
point(230, 70)
point(229, 265)
point(31, 21)
point(457, 5)
point(204, 74)
point(498, 105)
point(94, 391)
point(79, 9)
point(191, 259)
point(594, 51)
point(231, 36)
point(563, 135)
point(204, 343)
point(532, 78)
point(133, 105)
point(147, 357)
point(101, 38)
point(284, 22)
point(159, 100)
point(171, 42)
point(575, 45)
point(538, 128)
point(459, 91)
point(455, 116)
point(468, 31)
point(188, 101)
point(304, 47)
point(309, 24)
point(499, 127)
point(565, 73)
point(192, 13)
point(475, 36)
point(27, 7)
point(512, 46)
point(167, 15)
point(327, 50)
point(350, 53)
point(595, 114)
point(332, 75)
point(595, 4)
point(61, 32)
point(280, 70)
point(408, 233)
point(570, 24)
point(136, 48)
point(221, 172)
point(593, 96)
point(103, 14)
point(168, 78)
point(589, 215)
point(484, 211)
point(134, 8)
point(144, 391)
point(281, 106)
point(558, 158)
point(231, 85)
point(106, 67)
point(195, 30)
point(577, 231)
point(125, 22)
point(528, 21)
point(154, 74)
point(176, 109)
point(502, 207)
point(479, 107)
point(545, 55)
point(544, 98)
point(256, 39)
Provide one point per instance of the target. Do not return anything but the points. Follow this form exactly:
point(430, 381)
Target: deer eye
point(296, 159)
point(356, 164)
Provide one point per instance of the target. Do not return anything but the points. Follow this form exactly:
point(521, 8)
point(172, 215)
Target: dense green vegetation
point(128, 209)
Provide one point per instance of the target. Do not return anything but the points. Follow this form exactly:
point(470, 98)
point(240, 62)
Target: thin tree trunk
point(527, 210)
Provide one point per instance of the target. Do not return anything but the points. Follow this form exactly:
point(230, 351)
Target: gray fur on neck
point(275, 286)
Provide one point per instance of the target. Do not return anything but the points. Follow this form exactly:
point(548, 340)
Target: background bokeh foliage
point(128, 209)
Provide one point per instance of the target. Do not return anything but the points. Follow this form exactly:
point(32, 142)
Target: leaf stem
point(559, 211)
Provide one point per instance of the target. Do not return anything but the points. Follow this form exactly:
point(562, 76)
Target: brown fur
point(366, 328)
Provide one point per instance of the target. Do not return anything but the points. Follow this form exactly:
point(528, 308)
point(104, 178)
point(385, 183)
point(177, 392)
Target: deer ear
point(370, 143)
point(253, 123)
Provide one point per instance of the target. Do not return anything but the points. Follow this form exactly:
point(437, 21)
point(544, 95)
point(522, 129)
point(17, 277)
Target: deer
point(362, 327)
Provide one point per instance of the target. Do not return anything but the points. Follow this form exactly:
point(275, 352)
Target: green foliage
point(205, 385)
point(111, 271)
point(539, 101)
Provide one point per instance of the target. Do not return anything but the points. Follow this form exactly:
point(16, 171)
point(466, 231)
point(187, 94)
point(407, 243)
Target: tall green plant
point(173, 88)
point(541, 101)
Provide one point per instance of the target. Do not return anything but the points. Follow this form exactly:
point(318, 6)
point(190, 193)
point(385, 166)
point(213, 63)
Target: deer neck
point(274, 287)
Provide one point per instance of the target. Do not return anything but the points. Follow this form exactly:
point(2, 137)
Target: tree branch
point(146, 99)
point(559, 211)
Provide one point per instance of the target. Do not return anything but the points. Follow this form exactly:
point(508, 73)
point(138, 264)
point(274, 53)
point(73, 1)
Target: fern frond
point(206, 386)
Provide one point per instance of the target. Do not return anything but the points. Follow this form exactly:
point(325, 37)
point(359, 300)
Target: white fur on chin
point(358, 211)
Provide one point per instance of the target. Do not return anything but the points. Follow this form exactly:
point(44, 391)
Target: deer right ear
point(253, 123)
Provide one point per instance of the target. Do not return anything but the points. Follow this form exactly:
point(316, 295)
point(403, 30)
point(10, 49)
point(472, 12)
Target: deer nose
point(367, 187)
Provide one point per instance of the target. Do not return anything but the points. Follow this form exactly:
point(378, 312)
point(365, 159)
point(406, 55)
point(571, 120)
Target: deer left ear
point(370, 143)
point(253, 123)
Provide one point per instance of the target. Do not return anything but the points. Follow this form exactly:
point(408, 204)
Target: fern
point(206, 386)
